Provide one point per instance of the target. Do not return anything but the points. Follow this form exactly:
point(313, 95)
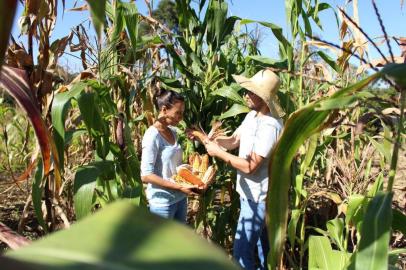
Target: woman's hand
point(188, 190)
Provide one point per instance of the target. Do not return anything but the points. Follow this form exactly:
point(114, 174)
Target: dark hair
point(162, 97)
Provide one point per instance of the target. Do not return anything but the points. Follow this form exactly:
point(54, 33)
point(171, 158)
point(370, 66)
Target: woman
point(161, 154)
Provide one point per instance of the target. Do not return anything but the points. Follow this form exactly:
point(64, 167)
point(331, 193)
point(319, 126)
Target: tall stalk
point(396, 145)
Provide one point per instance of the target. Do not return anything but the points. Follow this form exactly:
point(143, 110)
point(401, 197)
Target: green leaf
point(60, 107)
point(335, 227)
point(234, 110)
point(85, 183)
point(268, 62)
point(97, 12)
point(7, 12)
point(320, 253)
point(229, 92)
point(122, 236)
point(373, 247)
point(331, 62)
point(355, 213)
point(399, 221)
point(382, 149)
point(36, 193)
point(130, 14)
point(300, 126)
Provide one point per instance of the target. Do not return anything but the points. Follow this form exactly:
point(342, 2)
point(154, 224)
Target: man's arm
point(228, 142)
point(246, 165)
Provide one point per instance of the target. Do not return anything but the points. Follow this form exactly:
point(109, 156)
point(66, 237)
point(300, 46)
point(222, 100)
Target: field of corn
point(71, 194)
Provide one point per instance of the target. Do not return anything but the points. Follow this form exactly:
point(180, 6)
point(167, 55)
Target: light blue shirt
point(257, 134)
point(161, 158)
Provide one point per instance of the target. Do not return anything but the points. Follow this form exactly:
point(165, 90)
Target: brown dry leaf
point(58, 48)
point(82, 8)
point(378, 63)
point(322, 45)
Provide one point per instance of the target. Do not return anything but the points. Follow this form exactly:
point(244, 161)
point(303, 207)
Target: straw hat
point(264, 84)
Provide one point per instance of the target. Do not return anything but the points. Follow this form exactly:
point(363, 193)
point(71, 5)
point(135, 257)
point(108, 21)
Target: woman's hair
point(162, 97)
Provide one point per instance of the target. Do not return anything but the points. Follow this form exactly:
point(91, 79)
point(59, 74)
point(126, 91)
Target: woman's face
point(174, 114)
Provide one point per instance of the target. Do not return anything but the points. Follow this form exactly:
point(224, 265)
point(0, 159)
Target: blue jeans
point(250, 235)
point(176, 211)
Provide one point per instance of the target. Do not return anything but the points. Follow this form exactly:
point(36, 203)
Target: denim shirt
point(161, 158)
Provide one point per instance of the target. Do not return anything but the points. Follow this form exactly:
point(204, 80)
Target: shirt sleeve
point(150, 148)
point(265, 138)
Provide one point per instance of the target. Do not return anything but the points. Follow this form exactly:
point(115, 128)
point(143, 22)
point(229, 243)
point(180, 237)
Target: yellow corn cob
point(192, 158)
point(196, 164)
point(204, 164)
point(209, 175)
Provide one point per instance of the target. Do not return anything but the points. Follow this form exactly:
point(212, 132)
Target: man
point(255, 138)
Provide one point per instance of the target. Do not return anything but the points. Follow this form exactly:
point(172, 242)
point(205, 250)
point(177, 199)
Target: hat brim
point(251, 86)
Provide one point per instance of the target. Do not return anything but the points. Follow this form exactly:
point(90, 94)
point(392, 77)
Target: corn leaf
point(15, 82)
point(300, 126)
point(130, 14)
point(37, 189)
point(268, 62)
point(60, 107)
point(121, 236)
point(322, 256)
point(85, 183)
point(97, 12)
point(7, 11)
point(373, 247)
point(230, 93)
point(234, 110)
point(399, 221)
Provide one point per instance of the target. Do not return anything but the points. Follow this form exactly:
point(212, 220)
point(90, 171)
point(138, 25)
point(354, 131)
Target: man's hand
point(212, 148)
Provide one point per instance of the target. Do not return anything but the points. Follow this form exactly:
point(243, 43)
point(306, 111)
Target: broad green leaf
point(122, 236)
point(373, 247)
point(294, 219)
point(399, 221)
point(335, 228)
point(268, 62)
point(97, 12)
point(234, 110)
point(320, 253)
point(7, 12)
point(36, 193)
point(230, 93)
point(60, 106)
point(130, 14)
point(85, 183)
point(331, 62)
point(355, 209)
point(380, 147)
point(300, 126)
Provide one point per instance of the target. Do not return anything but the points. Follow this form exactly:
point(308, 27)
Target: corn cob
point(188, 176)
point(196, 164)
point(204, 164)
point(209, 175)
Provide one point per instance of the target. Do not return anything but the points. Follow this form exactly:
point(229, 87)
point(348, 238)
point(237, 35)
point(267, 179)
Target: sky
point(392, 14)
